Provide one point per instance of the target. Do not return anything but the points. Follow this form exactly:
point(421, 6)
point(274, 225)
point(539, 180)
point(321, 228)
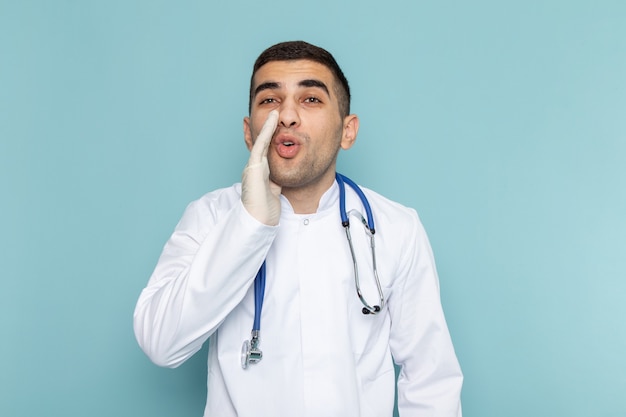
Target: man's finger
point(262, 142)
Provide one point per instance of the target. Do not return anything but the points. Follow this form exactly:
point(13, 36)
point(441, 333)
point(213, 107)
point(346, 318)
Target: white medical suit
point(322, 357)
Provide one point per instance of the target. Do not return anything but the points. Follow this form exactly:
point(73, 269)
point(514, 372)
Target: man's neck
point(306, 200)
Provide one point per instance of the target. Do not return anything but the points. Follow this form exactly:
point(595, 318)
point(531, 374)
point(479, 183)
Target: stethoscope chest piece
point(250, 352)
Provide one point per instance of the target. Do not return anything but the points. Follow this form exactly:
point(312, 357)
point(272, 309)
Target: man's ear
point(247, 134)
point(350, 130)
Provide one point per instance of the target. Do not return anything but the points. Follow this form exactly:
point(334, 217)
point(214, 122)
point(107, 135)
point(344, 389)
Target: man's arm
point(204, 271)
point(430, 378)
point(209, 262)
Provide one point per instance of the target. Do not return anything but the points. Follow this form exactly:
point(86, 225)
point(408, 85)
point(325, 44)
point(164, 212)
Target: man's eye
point(268, 101)
point(312, 100)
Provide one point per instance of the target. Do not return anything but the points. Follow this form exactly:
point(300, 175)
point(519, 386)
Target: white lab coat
point(322, 356)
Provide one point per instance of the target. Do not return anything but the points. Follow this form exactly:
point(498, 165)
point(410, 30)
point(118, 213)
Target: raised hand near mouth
point(259, 195)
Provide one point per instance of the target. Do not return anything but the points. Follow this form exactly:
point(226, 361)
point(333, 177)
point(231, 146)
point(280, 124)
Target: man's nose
point(288, 116)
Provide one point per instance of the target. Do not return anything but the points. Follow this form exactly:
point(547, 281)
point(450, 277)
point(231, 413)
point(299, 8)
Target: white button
point(306, 222)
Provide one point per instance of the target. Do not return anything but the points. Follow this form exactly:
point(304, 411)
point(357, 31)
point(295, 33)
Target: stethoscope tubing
point(341, 179)
point(259, 296)
point(250, 351)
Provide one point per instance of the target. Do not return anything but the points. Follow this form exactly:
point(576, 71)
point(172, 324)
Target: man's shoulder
point(395, 220)
point(381, 202)
point(218, 199)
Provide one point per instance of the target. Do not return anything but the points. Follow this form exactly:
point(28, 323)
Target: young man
point(322, 355)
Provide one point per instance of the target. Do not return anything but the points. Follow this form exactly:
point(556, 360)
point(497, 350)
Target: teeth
point(287, 143)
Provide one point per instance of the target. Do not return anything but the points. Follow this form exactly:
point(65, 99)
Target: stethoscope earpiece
point(368, 311)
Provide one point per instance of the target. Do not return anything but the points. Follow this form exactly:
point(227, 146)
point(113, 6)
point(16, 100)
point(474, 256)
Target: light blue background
point(502, 123)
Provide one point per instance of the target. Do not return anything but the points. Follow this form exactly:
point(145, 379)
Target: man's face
point(310, 129)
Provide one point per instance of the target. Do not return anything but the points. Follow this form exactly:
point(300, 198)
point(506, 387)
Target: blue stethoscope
point(250, 352)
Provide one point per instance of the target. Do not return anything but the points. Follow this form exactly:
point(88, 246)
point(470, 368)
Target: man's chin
point(285, 181)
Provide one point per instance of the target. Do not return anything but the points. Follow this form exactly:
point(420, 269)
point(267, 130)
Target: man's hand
point(259, 195)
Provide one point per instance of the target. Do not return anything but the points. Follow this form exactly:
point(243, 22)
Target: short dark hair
point(295, 50)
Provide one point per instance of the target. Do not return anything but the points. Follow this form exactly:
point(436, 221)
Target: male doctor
point(321, 355)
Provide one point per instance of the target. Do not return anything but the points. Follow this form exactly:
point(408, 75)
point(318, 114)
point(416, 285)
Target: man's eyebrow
point(272, 85)
point(314, 83)
point(266, 86)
